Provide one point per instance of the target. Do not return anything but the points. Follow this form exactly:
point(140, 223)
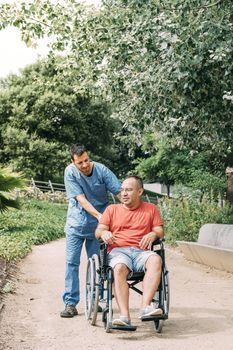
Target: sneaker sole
point(119, 322)
point(156, 312)
point(68, 315)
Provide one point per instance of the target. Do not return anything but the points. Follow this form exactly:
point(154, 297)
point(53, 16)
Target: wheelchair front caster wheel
point(158, 325)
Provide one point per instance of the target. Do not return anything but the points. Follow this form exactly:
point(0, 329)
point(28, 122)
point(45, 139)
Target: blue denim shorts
point(134, 258)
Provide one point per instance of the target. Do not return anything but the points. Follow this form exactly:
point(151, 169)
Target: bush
point(183, 219)
point(37, 222)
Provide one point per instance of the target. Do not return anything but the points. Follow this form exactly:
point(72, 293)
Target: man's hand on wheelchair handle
point(108, 237)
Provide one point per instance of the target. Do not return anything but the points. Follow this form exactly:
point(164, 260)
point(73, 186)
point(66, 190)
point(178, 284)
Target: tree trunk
point(229, 174)
point(168, 190)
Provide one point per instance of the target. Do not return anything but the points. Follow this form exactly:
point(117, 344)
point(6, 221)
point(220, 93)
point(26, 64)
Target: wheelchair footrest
point(153, 318)
point(124, 328)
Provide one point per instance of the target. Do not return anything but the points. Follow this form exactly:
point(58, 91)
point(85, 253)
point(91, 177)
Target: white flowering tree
point(164, 66)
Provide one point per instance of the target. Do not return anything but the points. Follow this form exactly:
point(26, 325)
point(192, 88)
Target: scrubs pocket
point(76, 216)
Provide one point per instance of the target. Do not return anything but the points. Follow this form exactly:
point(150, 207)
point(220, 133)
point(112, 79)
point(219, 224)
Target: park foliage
point(40, 222)
point(9, 181)
point(146, 85)
point(135, 80)
point(37, 222)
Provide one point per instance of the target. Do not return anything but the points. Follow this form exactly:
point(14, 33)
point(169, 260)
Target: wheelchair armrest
point(158, 241)
point(103, 245)
point(103, 253)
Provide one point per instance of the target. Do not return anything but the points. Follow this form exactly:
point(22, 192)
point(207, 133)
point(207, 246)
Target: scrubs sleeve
point(73, 188)
point(113, 185)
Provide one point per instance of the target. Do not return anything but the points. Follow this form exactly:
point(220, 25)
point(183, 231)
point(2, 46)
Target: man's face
point(83, 163)
point(130, 192)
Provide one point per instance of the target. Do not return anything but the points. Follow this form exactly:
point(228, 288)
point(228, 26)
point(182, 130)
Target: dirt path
point(201, 315)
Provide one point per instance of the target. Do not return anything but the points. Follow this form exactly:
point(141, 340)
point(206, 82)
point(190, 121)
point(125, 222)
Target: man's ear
point(141, 190)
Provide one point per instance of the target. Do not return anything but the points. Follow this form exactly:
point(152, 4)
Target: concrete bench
point(213, 248)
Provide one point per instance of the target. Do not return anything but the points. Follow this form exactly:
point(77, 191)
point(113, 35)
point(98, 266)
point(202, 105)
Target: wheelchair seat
point(136, 276)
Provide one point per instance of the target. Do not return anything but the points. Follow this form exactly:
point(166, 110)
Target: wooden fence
point(49, 186)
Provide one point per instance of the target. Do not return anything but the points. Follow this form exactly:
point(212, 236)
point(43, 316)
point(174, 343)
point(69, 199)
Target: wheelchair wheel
point(89, 289)
point(96, 266)
point(156, 301)
point(167, 292)
point(162, 298)
point(158, 325)
point(107, 324)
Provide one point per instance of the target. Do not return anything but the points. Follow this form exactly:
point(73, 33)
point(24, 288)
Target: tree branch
point(210, 5)
point(36, 20)
point(197, 8)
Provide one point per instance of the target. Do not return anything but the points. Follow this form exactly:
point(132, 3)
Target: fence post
point(52, 190)
point(33, 184)
point(51, 186)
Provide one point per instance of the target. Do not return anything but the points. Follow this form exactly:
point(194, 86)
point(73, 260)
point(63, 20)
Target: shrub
point(183, 219)
point(37, 222)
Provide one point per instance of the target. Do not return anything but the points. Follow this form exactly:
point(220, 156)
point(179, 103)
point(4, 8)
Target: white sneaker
point(150, 311)
point(122, 321)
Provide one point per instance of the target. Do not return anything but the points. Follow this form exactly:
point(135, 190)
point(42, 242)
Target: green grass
point(37, 222)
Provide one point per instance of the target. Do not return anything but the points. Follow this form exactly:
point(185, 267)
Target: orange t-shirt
point(129, 226)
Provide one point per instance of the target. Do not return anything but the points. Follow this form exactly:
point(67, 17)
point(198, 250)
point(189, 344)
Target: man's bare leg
point(121, 289)
point(151, 279)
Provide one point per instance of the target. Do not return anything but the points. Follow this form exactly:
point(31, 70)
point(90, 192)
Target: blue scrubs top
point(95, 188)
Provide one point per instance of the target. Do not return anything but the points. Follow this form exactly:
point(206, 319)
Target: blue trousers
point(74, 244)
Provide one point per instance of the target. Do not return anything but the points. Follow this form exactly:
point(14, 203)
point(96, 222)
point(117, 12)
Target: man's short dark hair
point(78, 150)
point(137, 178)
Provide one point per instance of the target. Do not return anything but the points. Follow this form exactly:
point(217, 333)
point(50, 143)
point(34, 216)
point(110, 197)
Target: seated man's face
point(130, 192)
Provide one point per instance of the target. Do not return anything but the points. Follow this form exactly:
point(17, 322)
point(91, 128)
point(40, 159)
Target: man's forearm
point(98, 233)
point(158, 231)
point(85, 204)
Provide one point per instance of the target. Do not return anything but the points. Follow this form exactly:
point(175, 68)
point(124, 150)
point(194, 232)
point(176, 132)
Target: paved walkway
point(201, 315)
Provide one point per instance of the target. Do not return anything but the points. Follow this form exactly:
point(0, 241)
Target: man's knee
point(154, 262)
point(120, 270)
point(73, 258)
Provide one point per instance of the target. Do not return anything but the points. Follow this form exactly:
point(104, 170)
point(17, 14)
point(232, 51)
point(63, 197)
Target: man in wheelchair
point(129, 229)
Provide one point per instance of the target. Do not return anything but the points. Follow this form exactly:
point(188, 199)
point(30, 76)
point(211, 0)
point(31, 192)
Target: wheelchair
point(98, 288)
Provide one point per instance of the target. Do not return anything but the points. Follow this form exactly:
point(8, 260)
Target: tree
point(42, 114)
point(171, 165)
point(164, 67)
point(9, 181)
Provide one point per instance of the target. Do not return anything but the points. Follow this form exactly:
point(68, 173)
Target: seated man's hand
point(147, 240)
point(108, 237)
